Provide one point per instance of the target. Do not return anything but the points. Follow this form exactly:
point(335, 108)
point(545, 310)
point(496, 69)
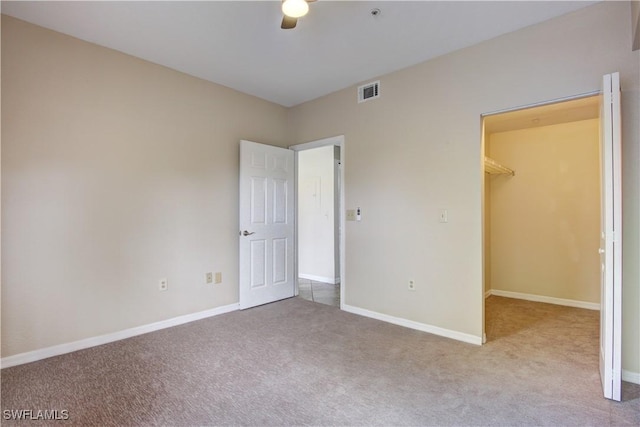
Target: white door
point(610, 237)
point(266, 224)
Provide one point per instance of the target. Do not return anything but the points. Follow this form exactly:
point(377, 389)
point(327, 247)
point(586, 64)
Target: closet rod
point(492, 167)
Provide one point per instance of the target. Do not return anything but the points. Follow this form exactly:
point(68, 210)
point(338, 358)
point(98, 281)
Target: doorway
point(610, 248)
point(319, 233)
point(542, 204)
point(542, 226)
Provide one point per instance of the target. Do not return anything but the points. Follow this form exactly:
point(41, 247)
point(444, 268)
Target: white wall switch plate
point(443, 215)
point(351, 214)
point(218, 277)
point(163, 284)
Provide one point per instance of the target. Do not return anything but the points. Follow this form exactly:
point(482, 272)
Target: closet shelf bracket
point(494, 168)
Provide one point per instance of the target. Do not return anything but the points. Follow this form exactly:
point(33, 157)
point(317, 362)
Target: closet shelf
point(494, 168)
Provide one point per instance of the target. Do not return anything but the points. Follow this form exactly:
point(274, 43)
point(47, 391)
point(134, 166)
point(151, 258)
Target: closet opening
point(542, 204)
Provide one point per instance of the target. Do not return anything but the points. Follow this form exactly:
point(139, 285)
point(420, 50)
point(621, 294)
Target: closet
point(542, 204)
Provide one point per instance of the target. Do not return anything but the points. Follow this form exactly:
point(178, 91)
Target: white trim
point(56, 350)
point(435, 330)
point(631, 377)
point(546, 299)
point(487, 294)
point(332, 140)
point(542, 103)
point(330, 280)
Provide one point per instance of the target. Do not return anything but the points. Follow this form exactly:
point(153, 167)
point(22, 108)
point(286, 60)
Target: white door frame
point(334, 141)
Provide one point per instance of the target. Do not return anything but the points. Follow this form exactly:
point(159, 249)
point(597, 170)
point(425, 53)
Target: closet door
point(611, 238)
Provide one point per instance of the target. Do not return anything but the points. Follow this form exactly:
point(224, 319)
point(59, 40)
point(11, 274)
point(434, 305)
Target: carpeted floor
point(296, 362)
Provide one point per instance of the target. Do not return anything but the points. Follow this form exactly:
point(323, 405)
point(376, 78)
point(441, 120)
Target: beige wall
point(417, 149)
point(316, 243)
point(115, 173)
point(545, 221)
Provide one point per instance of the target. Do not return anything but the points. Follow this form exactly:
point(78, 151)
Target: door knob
point(246, 233)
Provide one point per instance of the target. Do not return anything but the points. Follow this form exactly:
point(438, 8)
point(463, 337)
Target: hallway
point(323, 293)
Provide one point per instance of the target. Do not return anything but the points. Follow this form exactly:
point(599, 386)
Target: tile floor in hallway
point(324, 293)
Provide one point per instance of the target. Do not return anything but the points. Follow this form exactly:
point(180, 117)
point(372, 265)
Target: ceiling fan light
point(295, 8)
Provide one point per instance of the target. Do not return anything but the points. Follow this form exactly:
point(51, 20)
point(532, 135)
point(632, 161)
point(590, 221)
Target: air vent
point(369, 91)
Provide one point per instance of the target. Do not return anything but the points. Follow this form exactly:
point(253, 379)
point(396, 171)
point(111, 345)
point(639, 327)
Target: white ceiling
point(239, 44)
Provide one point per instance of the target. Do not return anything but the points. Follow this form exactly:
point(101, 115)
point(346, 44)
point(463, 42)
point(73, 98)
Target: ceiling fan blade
point(288, 22)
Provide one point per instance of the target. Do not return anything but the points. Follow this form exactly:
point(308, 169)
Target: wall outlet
point(163, 284)
point(209, 278)
point(412, 285)
point(218, 277)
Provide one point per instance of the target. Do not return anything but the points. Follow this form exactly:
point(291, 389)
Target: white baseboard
point(322, 279)
point(33, 356)
point(459, 336)
point(487, 294)
point(631, 377)
point(56, 350)
point(545, 299)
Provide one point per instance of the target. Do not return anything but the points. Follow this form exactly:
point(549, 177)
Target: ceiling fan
point(292, 10)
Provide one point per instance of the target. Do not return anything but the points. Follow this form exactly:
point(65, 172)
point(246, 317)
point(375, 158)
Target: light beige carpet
point(297, 362)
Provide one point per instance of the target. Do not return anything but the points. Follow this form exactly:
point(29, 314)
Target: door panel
point(266, 224)
point(258, 200)
point(258, 263)
point(279, 261)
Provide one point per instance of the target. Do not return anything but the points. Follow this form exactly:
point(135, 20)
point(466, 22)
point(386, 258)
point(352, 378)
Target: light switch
point(444, 216)
point(351, 214)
